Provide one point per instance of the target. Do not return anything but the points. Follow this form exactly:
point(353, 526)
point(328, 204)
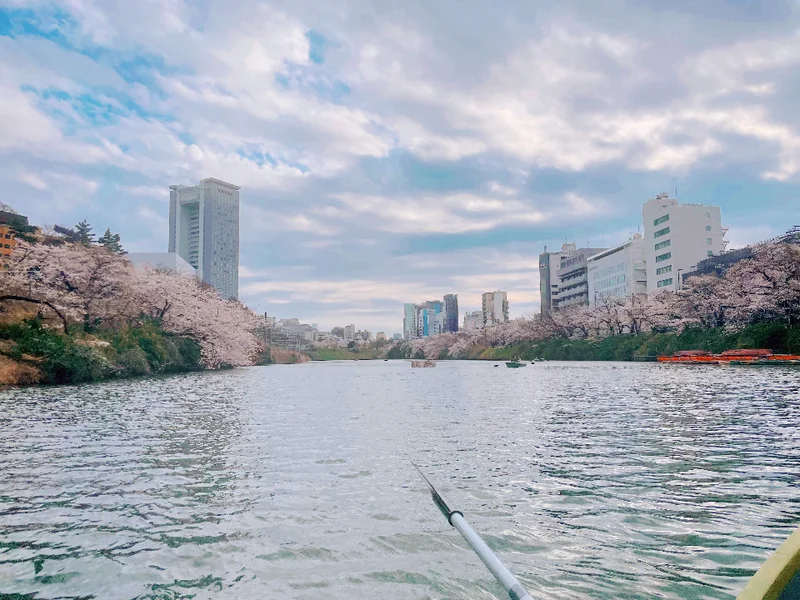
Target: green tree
point(112, 242)
point(83, 232)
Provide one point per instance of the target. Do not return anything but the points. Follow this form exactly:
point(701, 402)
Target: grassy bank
point(346, 354)
point(778, 338)
point(31, 353)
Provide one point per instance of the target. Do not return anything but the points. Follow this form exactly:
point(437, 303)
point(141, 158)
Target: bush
point(76, 364)
point(134, 362)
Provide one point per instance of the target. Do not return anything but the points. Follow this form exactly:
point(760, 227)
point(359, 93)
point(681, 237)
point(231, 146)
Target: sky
point(393, 152)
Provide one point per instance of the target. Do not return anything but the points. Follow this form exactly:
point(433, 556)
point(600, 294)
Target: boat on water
point(779, 577)
point(754, 356)
point(423, 364)
point(515, 364)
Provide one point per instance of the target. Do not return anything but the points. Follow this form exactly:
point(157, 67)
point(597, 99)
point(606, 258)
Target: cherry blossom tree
point(86, 284)
point(96, 288)
point(181, 305)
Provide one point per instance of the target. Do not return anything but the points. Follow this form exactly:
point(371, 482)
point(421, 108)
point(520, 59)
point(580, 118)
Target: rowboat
point(515, 364)
point(422, 364)
point(757, 356)
point(779, 577)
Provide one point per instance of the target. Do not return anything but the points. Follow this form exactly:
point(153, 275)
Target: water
point(591, 480)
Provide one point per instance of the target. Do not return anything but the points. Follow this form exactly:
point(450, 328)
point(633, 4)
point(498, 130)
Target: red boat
point(758, 356)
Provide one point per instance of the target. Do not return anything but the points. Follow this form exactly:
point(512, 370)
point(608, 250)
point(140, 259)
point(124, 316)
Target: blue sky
point(394, 152)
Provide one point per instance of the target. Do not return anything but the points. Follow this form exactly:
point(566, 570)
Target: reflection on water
point(590, 480)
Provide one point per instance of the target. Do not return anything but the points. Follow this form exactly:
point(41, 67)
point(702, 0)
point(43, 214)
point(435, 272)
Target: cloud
point(398, 152)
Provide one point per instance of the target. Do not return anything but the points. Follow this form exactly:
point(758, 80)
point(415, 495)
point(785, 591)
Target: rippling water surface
point(591, 480)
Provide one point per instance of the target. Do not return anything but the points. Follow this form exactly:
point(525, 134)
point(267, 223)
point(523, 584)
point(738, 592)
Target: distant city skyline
point(400, 154)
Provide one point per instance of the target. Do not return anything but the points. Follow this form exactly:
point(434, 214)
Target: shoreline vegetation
point(73, 310)
point(754, 304)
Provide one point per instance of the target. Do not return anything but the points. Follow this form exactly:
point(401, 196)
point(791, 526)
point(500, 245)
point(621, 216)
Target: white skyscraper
point(204, 231)
point(676, 238)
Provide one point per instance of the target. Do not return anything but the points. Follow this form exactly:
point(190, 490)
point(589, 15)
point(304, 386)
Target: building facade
point(162, 260)
point(549, 264)
point(573, 279)
point(204, 231)
point(10, 223)
point(430, 318)
point(451, 313)
point(473, 320)
point(410, 321)
point(349, 332)
point(618, 272)
point(677, 237)
point(494, 308)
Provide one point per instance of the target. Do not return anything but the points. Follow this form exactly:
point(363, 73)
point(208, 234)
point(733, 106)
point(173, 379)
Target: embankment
point(779, 338)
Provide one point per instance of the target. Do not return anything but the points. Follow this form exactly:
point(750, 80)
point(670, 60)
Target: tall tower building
point(410, 321)
point(204, 231)
point(676, 238)
point(451, 313)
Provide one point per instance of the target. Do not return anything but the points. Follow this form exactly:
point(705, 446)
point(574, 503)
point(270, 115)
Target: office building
point(549, 264)
point(451, 313)
point(494, 307)
point(430, 318)
point(473, 320)
point(410, 321)
point(677, 237)
point(572, 275)
point(618, 272)
point(204, 231)
point(162, 260)
point(349, 332)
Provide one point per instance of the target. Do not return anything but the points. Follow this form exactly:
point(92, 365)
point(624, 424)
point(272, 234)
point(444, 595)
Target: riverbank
point(323, 354)
point(779, 338)
point(31, 353)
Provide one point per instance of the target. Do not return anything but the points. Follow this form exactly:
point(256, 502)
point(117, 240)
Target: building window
point(663, 257)
point(661, 232)
point(662, 270)
point(665, 282)
point(661, 220)
point(710, 253)
point(708, 241)
point(708, 227)
point(664, 244)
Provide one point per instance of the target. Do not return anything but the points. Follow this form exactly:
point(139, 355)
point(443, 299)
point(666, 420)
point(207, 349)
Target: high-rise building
point(549, 263)
point(204, 231)
point(349, 332)
point(573, 281)
point(473, 320)
point(677, 237)
point(494, 307)
point(451, 313)
point(410, 321)
point(430, 318)
point(618, 272)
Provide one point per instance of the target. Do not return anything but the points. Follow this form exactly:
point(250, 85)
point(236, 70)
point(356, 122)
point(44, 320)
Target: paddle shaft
point(503, 575)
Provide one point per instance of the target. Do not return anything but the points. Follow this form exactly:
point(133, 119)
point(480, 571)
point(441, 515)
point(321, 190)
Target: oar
point(489, 558)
